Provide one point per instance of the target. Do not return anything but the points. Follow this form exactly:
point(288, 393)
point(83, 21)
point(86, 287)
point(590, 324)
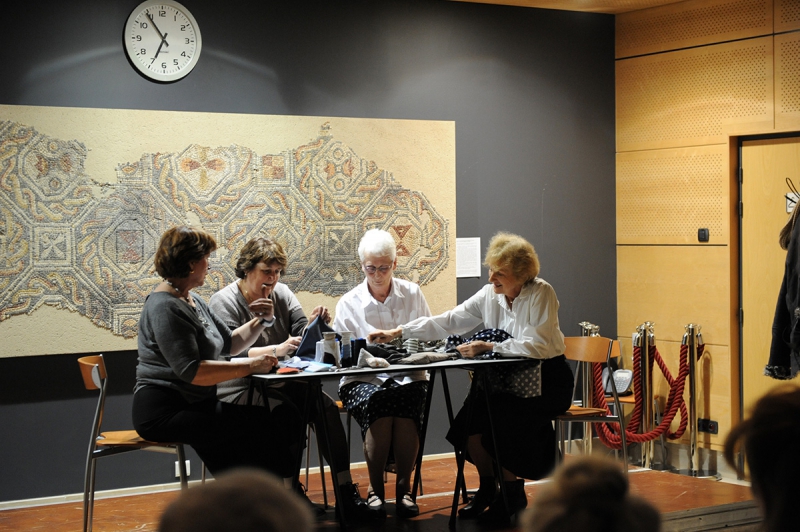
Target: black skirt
point(523, 427)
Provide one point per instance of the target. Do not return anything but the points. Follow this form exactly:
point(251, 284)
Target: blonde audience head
point(242, 500)
point(590, 495)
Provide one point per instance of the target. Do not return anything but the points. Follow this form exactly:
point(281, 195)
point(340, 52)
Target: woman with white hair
point(387, 407)
point(521, 312)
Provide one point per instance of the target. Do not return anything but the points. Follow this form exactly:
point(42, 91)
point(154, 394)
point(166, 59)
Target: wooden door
point(766, 164)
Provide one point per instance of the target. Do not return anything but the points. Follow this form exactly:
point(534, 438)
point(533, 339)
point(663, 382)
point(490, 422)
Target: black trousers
point(224, 435)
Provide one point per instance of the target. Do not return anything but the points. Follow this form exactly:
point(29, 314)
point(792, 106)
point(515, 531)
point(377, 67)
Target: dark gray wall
point(531, 93)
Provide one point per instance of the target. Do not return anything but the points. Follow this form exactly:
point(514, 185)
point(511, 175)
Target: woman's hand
point(473, 349)
point(382, 337)
point(322, 312)
point(287, 348)
point(262, 308)
point(262, 363)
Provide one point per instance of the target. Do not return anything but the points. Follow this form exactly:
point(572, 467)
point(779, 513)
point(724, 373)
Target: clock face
point(162, 40)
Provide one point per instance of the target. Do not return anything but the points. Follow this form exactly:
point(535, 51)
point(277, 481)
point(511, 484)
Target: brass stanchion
point(645, 338)
point(693, 338)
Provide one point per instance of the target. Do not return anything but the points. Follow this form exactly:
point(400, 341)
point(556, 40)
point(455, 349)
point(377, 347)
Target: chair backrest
point(93, 371)
point(591, 348)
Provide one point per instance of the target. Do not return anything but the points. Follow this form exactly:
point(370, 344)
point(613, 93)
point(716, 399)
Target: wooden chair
point(93, 370)
point(595, 350)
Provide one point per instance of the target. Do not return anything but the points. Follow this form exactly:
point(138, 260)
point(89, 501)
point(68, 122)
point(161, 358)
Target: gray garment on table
point(173, 338)
point(231, 307)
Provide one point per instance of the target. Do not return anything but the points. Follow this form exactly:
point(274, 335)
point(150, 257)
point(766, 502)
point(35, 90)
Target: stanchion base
point(698, 473)
point(662, 467)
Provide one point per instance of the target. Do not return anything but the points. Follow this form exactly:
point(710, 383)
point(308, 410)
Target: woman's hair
point(767, 438)
point(513, 252)
point(178, 247)
point(786, 233)
point(377, 243)
point(260, 250)
point(590, 494)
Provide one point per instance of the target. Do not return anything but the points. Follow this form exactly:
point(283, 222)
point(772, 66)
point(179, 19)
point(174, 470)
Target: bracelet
point(274, 351)
point(267, 323)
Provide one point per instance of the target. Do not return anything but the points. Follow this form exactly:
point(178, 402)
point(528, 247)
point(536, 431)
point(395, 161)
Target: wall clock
point(162, 40)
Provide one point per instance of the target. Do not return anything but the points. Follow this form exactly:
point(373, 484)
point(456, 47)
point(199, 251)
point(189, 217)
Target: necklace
point(244, 291)
point(185, 298)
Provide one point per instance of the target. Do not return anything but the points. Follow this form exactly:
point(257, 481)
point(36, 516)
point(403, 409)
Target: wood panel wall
point(690, 79)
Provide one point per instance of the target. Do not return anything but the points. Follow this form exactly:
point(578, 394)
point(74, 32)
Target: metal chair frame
point(592, 349)
point(93, 370)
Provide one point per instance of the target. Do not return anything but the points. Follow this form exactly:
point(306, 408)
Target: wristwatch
point(267, 322)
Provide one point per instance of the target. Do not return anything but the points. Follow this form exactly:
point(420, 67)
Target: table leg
point(315, 388)
point(422, 433)
point(497, 463)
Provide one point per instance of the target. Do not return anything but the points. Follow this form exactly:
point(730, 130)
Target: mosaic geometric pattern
point(70, 242)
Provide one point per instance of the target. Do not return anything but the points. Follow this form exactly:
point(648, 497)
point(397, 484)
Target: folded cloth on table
point(308, 344)
point(427, 358)
point(367, 360)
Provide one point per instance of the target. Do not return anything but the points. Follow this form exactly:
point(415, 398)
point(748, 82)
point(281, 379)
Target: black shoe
point(375, 508)
point(406, 507)
point(517, 501)
point(318, 511)
point(355, 507)
point(481, 500)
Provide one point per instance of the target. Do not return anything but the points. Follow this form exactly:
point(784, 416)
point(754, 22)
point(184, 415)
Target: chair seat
point(127, 438)
point(583, 411)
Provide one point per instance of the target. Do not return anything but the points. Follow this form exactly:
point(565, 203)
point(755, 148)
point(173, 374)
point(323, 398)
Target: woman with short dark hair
point(182, 350)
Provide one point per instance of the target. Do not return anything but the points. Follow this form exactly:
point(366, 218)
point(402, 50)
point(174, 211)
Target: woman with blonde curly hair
point(520, 312)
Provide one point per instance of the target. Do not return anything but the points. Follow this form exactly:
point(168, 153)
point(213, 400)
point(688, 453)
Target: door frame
point(739, 142)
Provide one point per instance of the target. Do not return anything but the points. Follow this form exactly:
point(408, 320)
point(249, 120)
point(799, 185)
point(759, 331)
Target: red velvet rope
point(609, 432)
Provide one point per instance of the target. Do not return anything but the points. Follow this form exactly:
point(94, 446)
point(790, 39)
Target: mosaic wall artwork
point(71, 242)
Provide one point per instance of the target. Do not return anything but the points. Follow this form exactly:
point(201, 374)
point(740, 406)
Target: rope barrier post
point(693, 338)
point(585, 369)
point(646, 339)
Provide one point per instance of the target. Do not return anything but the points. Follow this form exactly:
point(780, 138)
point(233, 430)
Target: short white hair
point(377, 243)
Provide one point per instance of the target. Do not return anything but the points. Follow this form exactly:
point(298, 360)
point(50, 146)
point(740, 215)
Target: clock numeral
point(143, 25)
point(162, 13)
point(183, 27)
point(138, 38)
point(183, 54)
point(143, 52)
point(164, 65)
point(187, 40)
point(175, 62)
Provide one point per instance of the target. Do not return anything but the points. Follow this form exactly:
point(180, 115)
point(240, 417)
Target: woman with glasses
point(388, 407)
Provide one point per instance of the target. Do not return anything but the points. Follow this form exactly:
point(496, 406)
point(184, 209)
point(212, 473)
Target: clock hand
point(163, 36)
point(159, 49)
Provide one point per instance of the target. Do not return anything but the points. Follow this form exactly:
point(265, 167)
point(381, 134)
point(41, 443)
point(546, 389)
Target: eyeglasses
point(372, 269)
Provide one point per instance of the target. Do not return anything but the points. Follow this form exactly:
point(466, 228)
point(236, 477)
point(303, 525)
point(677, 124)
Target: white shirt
point(359, 312)
point(532, 321)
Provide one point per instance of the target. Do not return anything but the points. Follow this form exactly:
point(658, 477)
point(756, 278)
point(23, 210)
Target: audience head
point(180, 247)
point(591, 495)
point(513, 253)
point(242, 500)
point(260, 250)
point(767, 438)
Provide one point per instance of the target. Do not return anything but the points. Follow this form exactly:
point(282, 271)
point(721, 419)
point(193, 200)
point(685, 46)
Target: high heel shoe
point(481, 500)
point(517, 501)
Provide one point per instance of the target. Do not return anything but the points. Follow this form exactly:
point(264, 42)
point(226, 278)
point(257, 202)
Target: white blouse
point(359, 312)
point(532, 321)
